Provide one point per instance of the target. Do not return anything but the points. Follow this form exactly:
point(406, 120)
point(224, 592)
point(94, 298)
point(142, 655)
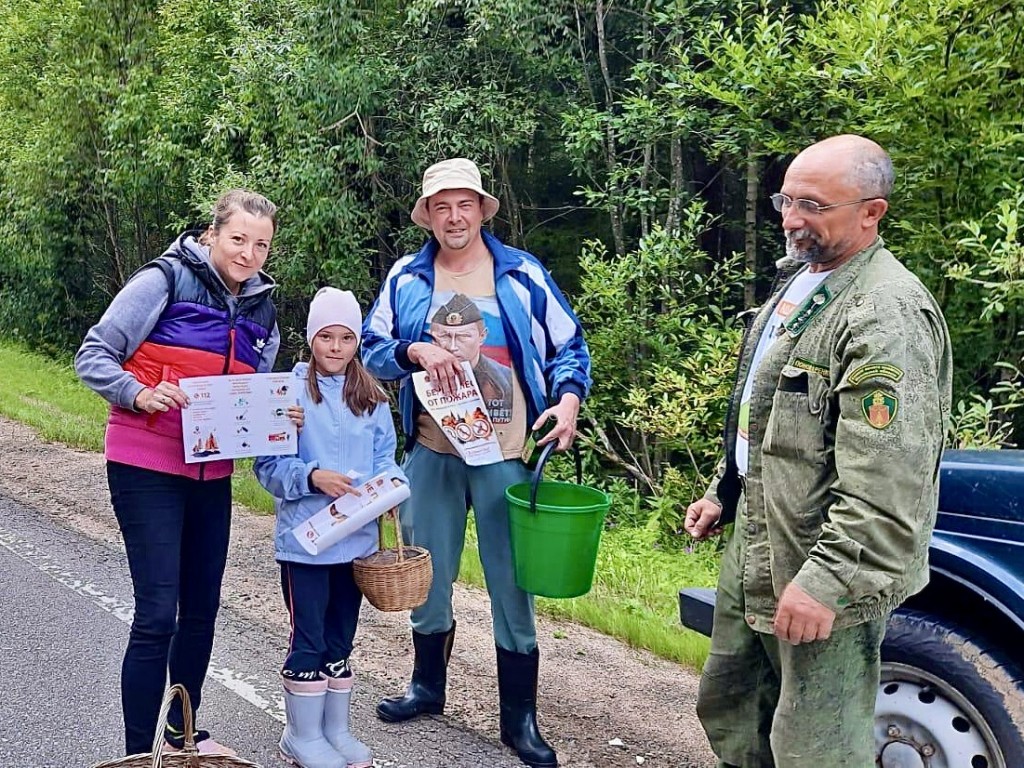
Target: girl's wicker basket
point(394, 579)
point(188, 756)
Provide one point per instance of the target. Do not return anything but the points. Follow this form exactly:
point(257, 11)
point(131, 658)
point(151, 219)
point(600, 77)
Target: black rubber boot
point(517, 690)
point(426, 692)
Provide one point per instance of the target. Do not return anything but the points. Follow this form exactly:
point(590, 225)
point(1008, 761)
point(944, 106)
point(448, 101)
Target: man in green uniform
point(830, 473)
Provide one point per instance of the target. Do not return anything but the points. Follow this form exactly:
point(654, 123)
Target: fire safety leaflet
point(239, 416)
point(462, 416)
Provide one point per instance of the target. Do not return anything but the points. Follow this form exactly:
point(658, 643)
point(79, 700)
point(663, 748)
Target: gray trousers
point(767, 704)
point(443, 489)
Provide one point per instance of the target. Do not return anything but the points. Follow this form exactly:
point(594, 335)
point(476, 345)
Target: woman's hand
point(161, 398)
point(332, 483)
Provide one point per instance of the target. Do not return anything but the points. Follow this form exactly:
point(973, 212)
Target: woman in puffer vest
point(202, 308)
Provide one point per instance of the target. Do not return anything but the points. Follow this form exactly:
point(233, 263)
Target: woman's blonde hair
point(235, 200)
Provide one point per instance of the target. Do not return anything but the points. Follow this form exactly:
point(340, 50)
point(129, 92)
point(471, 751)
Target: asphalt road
point(65, 606)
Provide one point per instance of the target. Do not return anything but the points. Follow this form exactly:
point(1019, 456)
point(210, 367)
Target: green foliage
point(632, 144)
point(936, 82)
point(991, 258)
point(982, 422)
point(663, 351)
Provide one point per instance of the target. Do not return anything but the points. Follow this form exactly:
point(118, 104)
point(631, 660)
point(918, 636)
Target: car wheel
point(946, 699)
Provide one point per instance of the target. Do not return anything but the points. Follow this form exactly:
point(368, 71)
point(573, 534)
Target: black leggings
point(323, 603)
point(176, 533)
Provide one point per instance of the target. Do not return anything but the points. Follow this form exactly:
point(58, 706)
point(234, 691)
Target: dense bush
point(633, 146)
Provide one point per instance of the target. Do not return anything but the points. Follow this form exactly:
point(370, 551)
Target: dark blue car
point(952, 687)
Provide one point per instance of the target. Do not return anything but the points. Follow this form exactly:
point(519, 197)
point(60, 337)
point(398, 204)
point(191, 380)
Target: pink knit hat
point(331, 306)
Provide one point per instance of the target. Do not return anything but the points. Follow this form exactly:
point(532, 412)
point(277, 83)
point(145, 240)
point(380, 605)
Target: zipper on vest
point(230, 357)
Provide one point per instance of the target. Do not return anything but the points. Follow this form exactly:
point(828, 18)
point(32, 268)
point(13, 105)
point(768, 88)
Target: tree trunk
point(675, 201)
point(750, 226)
point(611, 156)
point(511, 205)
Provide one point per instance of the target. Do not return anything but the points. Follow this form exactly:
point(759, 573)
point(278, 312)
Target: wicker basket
point(395, 579)
point(188, 756)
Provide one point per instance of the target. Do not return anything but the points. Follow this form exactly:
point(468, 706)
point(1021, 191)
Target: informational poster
point(347, 514)
point(462, 416)
point(239, 416)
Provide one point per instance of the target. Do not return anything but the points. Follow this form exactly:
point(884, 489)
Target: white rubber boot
point(339, 696)
point(303, 743)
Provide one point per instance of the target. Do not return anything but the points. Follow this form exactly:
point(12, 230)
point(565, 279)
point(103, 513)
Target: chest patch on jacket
point(808, 365)
point(879, 408)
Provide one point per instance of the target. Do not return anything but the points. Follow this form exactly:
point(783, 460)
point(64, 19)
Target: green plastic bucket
point(555, 529)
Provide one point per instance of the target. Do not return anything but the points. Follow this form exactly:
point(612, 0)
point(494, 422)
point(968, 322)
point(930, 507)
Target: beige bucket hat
point(457, 173)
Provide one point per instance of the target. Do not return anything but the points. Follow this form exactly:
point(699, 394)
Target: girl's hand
point(161, 398)
point(333, 483)
point(296, 415)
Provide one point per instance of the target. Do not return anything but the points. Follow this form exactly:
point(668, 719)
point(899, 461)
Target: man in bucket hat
point(525, 324)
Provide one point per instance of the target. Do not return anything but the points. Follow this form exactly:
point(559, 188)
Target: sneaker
point(204, 744)
point(210, 747)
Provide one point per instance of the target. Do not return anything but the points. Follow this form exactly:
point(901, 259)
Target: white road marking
point(262, 694)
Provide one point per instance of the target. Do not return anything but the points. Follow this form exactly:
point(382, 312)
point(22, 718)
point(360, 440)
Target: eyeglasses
point(781, 202)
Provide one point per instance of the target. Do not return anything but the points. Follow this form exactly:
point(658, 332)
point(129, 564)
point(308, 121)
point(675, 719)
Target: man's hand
point(702, 519)
point(799, 618)
point(332, 483)
point(565, 414)
point(443, 368)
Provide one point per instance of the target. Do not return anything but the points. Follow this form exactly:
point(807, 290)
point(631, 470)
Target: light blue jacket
point(332, 438)
point(544, 336)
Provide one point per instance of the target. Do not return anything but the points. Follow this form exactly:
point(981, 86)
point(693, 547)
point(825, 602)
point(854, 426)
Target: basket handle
point(176, 691)
point(545, 454)
point(398, 533)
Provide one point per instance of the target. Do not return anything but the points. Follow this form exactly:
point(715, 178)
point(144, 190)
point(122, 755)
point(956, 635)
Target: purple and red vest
point(198, 334)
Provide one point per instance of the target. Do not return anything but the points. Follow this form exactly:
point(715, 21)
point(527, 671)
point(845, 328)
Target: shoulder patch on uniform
point(875, 371)
point(807, 365)
point(879, 408)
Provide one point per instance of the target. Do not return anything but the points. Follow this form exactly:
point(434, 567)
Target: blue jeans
point(434, 517)
point(323, 603)
point(176, 534)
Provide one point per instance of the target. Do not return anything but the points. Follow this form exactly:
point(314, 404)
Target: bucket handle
point(545, 454)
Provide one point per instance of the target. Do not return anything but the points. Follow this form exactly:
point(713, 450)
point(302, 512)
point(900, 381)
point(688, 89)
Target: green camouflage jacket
point(847, 418)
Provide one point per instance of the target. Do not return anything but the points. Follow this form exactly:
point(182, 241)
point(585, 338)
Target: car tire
point(947, 698)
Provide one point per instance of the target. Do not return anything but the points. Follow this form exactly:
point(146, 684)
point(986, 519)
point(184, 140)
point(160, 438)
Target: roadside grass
point(46, 395)
point(636, 582)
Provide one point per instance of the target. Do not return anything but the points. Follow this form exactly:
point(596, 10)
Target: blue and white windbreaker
point(545, 339)
point(332, 438)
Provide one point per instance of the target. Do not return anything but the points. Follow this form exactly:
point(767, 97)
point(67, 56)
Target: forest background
point(633, 145)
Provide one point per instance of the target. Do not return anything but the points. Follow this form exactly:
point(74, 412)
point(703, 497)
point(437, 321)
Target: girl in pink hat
point(348, 434)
